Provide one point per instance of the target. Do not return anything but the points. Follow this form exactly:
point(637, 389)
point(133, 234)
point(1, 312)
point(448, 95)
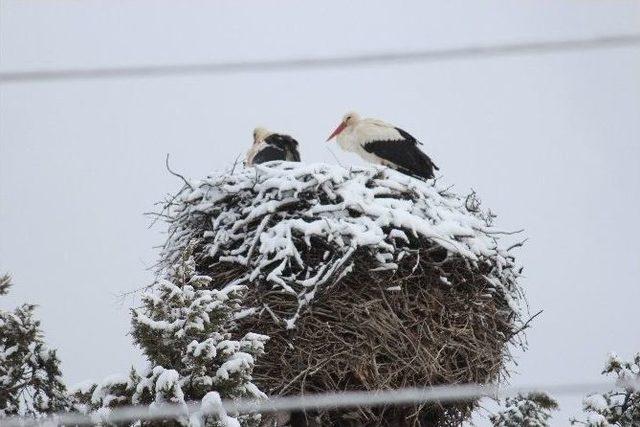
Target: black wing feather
point(287, 144)
point(269, 153)
point(406, 135)
point(407, 157)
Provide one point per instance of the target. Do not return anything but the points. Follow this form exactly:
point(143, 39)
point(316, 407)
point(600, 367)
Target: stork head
point(349, 119)
point(259, 134)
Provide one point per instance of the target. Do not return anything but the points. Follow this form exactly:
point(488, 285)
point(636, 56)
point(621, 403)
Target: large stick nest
point(365, 279)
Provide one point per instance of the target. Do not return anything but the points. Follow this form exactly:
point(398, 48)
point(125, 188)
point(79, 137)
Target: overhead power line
point(522, 48)
point(441, 394)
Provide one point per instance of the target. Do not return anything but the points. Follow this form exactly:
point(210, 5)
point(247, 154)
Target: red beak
point(339, 129)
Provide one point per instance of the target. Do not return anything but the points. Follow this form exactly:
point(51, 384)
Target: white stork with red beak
point(268, 146)
point(384, 144)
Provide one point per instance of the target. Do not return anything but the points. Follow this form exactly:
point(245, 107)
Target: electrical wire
point(440, 394)
point(365, 59)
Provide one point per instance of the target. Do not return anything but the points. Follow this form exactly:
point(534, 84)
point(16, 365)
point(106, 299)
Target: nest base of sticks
point(363, 278)
point(435, 320)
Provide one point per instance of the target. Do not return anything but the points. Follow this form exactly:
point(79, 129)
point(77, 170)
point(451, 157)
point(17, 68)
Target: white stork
point(384, 144)
point(269, 146)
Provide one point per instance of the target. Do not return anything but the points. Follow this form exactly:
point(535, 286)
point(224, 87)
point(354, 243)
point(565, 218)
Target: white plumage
point(381, 143)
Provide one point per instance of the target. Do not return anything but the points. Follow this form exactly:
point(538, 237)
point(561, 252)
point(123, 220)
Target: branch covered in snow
point(532, 410)
point(30, 377)
point(620, 407)
point(183, 329)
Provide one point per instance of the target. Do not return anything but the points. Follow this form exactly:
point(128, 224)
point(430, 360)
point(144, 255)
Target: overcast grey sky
point(551, 143)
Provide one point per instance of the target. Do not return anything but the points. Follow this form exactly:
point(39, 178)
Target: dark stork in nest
point(268, 146)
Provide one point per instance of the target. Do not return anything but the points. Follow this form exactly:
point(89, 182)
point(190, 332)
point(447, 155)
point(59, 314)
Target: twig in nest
point(167, 205)
point(507, 233)
point(517, 245)
point(526, 324)
point(335, 157)
point(187, 183)
point(235, 163)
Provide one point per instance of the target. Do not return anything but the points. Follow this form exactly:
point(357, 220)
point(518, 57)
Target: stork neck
point(348, 139)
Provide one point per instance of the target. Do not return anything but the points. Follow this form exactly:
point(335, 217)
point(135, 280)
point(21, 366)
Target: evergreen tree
point(619, 407)
point(532, 410)
point(184, 329)
point(30, 383)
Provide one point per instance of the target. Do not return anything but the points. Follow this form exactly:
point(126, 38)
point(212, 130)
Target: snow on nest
point(264, 216)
